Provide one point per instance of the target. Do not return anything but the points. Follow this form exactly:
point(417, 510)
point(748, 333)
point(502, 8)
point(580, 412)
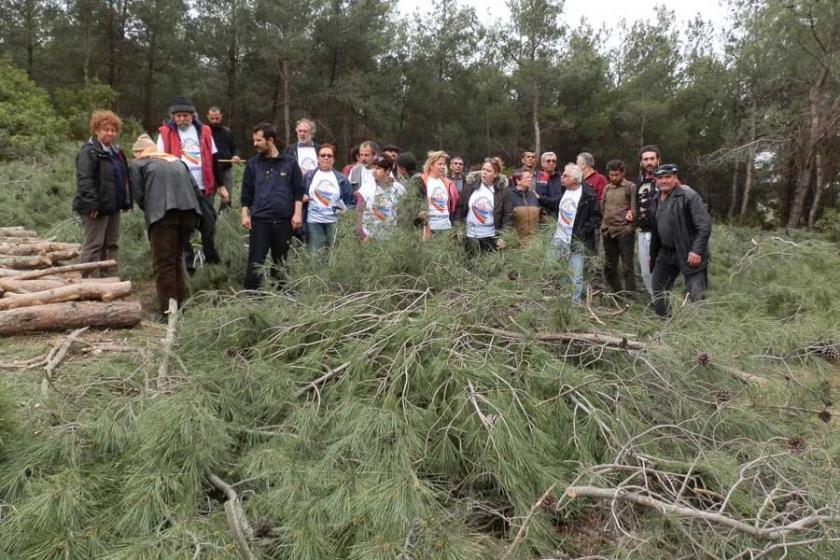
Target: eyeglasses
point(550, 160)
point(326, 155)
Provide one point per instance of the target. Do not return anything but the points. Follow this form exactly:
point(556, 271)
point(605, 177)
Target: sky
point(599, 12)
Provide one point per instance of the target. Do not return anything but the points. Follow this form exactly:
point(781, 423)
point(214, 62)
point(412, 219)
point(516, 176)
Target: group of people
point(298, 192)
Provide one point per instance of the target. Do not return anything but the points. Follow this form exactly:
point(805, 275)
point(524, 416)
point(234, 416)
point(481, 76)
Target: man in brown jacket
point(617, 232)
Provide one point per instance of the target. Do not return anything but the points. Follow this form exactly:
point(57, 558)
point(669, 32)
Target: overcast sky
point(598, 12)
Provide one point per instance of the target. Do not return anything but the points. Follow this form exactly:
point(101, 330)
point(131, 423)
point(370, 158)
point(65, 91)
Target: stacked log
point(39, 292)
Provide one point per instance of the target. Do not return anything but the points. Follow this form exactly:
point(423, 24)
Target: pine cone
point(703, 359)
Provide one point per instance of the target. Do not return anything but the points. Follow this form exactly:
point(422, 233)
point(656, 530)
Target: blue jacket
point(271, 186)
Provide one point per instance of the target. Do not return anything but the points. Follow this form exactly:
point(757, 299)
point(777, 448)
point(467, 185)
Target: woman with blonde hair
point(439, 193)
point(102, 188)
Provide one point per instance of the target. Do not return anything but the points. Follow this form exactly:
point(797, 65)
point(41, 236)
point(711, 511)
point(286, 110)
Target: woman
point(526, 205)
point(376, 208)
point(439, 194)
point(102, 188)
point(327, 192)
point(485, 207)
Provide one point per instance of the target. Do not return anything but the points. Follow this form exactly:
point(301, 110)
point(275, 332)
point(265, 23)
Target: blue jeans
point(320, 237)
point(561, 251)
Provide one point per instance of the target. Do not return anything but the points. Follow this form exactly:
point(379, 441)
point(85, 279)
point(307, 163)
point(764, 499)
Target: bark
point(74, 292)
point(286, 101)
point(733, 195)
point(27, 262)
point(10, 239)
point(819, 188)
point(63, 269)
point(748, 179)
point(9, 286)
point(535, 114)
point(36, 248)
point(16, 231)
point(233, 61)
point(62, 316)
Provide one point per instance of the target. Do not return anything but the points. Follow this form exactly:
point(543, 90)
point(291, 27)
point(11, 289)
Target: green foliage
point(28, 121)
point(77, 103)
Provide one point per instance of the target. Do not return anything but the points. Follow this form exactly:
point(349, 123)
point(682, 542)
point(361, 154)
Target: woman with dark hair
point(526, 205)
point(102, 188)
point(376, 209)
point(485, 208)
point(327, 193)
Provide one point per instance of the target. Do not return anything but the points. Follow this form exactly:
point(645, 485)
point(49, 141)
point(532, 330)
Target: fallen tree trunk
point(67, 268)
point(9, 286)
point(36, 248)
point(7, 239)
point(17, 231)
point(592, 339)
point(27, 262)
point(61, 316)
point(74, 292)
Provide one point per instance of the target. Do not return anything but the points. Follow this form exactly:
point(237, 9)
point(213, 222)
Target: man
point(649, 160)
point(616, 230)
point(305, 150)
point(598, 182)
point(456, 173)
point(226, 146)
point(185, 137)
point(167, 192)
point(272, 202)
point(548, 180)
point(680, 233)
point(529, 163)
point(578, 219)
point(407, 171)
point(361, 175)
point(392, 151)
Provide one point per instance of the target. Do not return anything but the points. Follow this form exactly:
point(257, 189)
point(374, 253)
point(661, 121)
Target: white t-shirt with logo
point(307, 158)
point(324, 197)
point(566, 216)
point(190, 152)
point(437, 202)
point(480, 220)
point(380, 213)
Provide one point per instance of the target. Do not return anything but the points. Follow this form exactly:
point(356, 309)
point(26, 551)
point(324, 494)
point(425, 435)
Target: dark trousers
point(621, 246)
point(265, 235)
point(483, 245)
point(102, 240)
point(665, 272)
point(207, 229)
point(168, 237)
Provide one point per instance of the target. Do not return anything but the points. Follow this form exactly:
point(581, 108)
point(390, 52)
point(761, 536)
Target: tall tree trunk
point(286, 101)
point(275, 95)
point(809, 146)
point(535, 114)
point(733, 195)
point(233, 61)
point(820, 186)
point(150, 81)
point(748, 179)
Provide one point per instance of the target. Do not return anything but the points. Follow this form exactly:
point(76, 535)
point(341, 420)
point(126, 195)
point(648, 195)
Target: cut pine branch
point(72, 315)
point(74, 292)
point(591, 339)
point(29, 262)
point(238, 523)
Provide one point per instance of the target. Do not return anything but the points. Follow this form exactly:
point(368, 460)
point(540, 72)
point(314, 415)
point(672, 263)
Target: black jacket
point(225, 144)
point(271, 186)
point(95, 181)
point(587, 219)
point(502, 205)
point(159, 186)
point(692, 231)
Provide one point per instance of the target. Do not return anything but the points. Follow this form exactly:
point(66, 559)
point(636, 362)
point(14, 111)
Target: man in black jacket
point(578, 219)
point(272, 202)
point(226, 154)
point(680, 231)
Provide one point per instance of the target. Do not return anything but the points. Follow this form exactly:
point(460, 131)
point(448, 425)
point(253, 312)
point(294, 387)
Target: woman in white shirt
point(327, 193)
point(376, 208)
point(439, 193)
point(485, 208)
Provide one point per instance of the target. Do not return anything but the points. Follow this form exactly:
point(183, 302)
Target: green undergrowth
point(394, 400)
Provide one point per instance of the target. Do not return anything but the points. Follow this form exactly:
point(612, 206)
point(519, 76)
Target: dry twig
point(238, 523)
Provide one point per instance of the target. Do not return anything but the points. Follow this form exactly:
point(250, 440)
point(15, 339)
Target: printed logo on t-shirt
point(191, 153)
point(438, 199)
point(483, 209)
point(324, 192)
point(568, 209)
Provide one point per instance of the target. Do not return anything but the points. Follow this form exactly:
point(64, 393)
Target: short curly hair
point(102, 118)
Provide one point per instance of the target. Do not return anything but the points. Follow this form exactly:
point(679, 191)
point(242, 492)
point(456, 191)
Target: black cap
point(391, 148)
point(181, 105)
point(667, 169)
